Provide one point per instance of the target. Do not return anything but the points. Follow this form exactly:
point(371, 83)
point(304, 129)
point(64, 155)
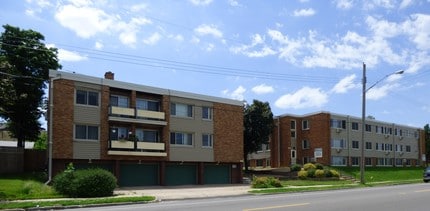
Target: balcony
point(134, 115)
point(137, 148)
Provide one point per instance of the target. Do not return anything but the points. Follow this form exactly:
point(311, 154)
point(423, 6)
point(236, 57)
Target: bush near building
point(317, 170)
point(85, 183)
point(265, 182)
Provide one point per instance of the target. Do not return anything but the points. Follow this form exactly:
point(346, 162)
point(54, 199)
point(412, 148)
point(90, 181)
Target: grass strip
point(58, 203)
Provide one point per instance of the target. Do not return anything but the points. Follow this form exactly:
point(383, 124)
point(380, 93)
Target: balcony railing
point(136, 148)
point(137, 115)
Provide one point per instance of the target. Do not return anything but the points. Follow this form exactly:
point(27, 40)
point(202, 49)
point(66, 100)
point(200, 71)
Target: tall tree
point(258, 126)
point(25, 62)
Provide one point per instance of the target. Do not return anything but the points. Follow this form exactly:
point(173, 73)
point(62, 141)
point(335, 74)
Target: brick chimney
point(109, 75)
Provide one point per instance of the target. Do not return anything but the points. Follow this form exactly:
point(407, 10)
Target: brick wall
point(228, 133)
point(63, 119)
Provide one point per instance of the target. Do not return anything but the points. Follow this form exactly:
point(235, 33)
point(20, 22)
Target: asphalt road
point(390, 198)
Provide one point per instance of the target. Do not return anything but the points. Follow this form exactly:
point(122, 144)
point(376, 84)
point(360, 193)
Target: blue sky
point(301, 56)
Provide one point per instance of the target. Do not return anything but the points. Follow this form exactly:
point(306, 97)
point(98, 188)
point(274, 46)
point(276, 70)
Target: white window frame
point(209, 111)
point(86, 138)
point(174, 110)
point(185, 137)
point(210, 140)
point(305, 125)
point(87, 97)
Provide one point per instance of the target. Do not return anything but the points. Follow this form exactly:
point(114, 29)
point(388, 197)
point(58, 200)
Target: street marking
point(276, 207)
point(421, 191)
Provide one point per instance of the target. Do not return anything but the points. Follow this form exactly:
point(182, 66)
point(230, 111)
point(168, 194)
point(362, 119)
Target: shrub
point(265, 182)
point(328, 173)
point(296, 167)
point(319, 173)
point(308, 166)
point(302, 174)
point(311, 172)
point(335, 173)
point(85, 183)
point(319, 166)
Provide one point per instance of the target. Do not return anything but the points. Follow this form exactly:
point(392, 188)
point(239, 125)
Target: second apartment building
point(144, 135)
point(335, 139)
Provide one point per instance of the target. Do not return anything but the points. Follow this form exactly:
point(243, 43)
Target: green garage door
point(181, 174)
point(217, 174)
point(138, 175)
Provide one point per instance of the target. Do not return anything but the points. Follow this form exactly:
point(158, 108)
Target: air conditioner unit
point(386, 135)
point(401, 137)
point(338, 130)
point(338, 150)
point(387, 152)
point(401, 153)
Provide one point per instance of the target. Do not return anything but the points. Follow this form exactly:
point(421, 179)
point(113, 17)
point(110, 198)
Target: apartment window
point(355, 161)
point(293, 124)
point(368, 128)
point(355, 145)
point(338, 161)
point(338, 143)
point(207, 113)
point(388, 147)
point(399, 148)
point(354, 126)
point(207, 140)
point(147, 135)
point(336, 123)
point(305, 125)
point(149, 105)
point(378, 129)
point(119, 101)
point(368, 161)
point(84, 97)
point(293, 134)
point(369, 145)
point(181, 110)
point(408, 148)
point(305, 144)
point(179, 138)
point(119, 133)
point(86, 132)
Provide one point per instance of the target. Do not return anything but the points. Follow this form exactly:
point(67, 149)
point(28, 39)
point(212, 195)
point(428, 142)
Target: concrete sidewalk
point(185, 192)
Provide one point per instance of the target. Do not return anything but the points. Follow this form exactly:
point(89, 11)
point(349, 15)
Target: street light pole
point(363, 125)
point(363, 117)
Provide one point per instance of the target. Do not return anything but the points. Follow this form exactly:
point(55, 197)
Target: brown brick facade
point(228, 133)
point(62, 123)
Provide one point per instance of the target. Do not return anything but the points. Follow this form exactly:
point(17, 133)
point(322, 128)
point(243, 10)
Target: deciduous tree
point(25, 62)
point(258, 126)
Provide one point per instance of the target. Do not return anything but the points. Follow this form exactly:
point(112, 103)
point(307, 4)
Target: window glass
point(207, 140)
point(81, 97)
point(181, 139)
point(93, 98)
point(206, 113)
point(119, 101)
point(93, 132)
point(80, 132)
point(181, 110)
point(147, 135)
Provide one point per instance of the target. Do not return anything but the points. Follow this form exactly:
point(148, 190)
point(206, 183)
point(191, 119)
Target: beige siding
point(196, 126)
point(87, 115)
point(86, 150)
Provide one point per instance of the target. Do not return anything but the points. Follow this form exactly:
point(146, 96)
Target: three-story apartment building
point(144, 135)
point(335, 139)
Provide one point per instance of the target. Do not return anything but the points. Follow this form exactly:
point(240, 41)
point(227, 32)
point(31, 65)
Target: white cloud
point(345, 84)
point(73, 17)
point(418, 29)
point(234, 3)
point(195, 40)
point(70, 56)
point(405, 3)
point(237, 94)
point(262, 89)
point(153, 39)
point(210, 47)
point(205, 29)
point(344, 4)
point(138, 7)
point(304, 12)
point(305, 97)
point(201, 2)
point(98, 45)
point(177, 37)
point(376, 93)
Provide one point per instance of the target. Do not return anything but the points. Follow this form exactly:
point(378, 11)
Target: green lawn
point(385, 174)
point(25, 186)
